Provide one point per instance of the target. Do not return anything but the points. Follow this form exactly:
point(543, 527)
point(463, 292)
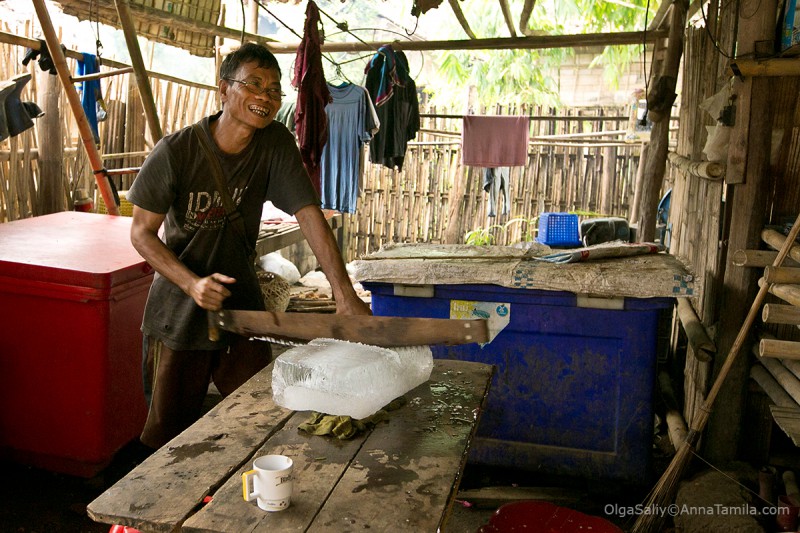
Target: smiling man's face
point(240, 101)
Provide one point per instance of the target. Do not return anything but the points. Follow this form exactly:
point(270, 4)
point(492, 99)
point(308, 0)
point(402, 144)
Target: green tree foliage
point(524, 76)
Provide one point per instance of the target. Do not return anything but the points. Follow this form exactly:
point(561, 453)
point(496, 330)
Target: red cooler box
point(72, 293)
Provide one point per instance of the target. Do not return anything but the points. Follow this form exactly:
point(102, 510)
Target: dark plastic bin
point(573, 388)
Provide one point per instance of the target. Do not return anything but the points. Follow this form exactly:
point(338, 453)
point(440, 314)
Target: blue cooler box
point(573, 388)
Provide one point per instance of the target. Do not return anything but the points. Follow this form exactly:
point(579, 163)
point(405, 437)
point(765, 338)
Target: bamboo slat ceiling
point(173, 22)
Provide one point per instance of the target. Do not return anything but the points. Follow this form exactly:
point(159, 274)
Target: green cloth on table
point(346, 427)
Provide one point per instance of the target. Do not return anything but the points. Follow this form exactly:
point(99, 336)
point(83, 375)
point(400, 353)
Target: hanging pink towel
point(495, 141)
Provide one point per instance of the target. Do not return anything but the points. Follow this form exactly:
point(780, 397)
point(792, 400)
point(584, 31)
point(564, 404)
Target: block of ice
point(347, 378)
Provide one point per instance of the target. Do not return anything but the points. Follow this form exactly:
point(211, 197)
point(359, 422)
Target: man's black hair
point(247, 53)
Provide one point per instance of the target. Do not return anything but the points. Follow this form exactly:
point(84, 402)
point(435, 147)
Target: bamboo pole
point(34, 44)
point(539, 42)
point(758, 258)
point(788, 381)
point(776, 393)
point(462, 20)
point(507, 16)
point(791, 365)
point(676, 424)
point(781, 274)
point(704, 348)
point(709, 170)
point(789, 293)
point(142, 81)
point(780, 314)
point(87, 137)
point(779, 349)
point(776, 67)
point(776, 240)
point(101, 75)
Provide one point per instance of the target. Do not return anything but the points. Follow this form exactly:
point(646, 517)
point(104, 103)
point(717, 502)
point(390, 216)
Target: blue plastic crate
point(559, 229)
point(573, 389)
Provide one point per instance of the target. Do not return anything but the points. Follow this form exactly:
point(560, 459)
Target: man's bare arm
point(320, 237)
point(208, 292)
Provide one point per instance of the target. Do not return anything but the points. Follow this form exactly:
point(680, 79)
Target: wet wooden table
point(402, 475)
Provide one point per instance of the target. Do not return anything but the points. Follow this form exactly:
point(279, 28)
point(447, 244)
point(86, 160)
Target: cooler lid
point(71, 248)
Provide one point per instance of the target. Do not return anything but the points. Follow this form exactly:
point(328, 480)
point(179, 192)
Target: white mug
point(269, 482)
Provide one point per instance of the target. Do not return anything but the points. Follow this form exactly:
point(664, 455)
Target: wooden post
point(142, 80)
point(87, 136)
point(608, 177)
point(656, 163)
point(52, 195)
point(748, 212)
point(637, 188)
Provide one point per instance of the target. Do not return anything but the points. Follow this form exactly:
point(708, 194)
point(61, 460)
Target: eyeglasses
point(255, 88)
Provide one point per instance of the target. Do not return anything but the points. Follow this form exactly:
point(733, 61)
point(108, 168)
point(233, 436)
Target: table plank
point(318, 463)
point(160, 493)
point(407, 472)
point(273, 237)
point(410, 464)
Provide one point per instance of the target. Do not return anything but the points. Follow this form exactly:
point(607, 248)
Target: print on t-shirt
point(204, 210)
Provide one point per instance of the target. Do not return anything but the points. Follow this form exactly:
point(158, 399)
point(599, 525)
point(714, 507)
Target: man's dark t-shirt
point(176, 180)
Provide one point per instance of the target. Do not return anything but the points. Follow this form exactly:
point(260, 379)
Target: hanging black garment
point(16, 116)
point(394, 94)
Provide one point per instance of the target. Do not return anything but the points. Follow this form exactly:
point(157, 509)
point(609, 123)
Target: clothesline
point(339, 25)
point(541, 117)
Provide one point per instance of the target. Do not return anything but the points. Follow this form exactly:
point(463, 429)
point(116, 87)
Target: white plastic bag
point(277, 264)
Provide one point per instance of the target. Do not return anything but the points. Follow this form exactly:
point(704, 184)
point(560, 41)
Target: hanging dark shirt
point(394, 94)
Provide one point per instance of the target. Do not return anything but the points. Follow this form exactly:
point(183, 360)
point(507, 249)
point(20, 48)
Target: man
point(204, 261)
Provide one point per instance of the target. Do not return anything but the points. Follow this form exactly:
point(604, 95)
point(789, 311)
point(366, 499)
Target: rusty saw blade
point(383, 331)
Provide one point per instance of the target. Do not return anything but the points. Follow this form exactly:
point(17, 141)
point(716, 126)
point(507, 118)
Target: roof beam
point(525, 16)
point(461, 18)
point(498, 43)
point(507, 15)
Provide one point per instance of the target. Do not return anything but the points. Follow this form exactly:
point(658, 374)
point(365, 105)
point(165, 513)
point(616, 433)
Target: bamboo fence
point(123, 142)
point(567, 174)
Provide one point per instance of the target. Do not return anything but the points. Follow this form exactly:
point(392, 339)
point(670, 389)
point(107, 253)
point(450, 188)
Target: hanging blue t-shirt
point(350, 125)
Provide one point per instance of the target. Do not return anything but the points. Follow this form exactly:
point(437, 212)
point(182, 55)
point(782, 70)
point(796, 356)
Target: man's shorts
point(176, 382)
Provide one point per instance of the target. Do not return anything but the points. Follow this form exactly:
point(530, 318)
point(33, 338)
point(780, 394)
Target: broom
point(665, 489)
